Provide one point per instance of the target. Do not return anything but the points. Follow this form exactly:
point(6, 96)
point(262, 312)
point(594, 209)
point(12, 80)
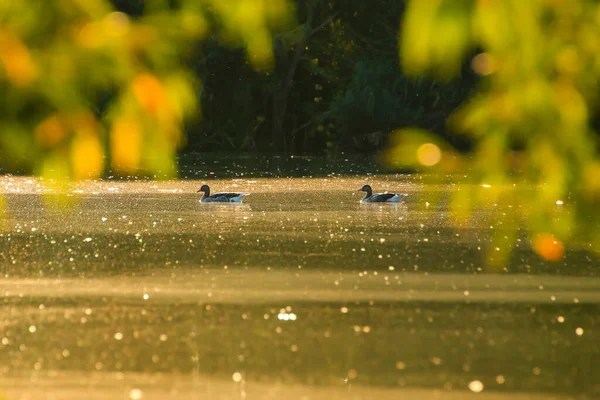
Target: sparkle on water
point(136, 285)
point(136, 394)
point(476, 386)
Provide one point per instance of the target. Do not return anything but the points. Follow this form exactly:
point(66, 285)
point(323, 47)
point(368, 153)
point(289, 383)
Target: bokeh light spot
point(475, 386)
point(429, 154)
point(483, 64)
point(548, 247)
point(237, 377)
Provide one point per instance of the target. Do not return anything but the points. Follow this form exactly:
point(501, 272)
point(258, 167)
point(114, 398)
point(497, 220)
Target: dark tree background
point(336, 85)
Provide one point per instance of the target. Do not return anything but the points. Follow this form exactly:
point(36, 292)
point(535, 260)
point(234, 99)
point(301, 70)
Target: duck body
point(220, 197)
point(371, 197)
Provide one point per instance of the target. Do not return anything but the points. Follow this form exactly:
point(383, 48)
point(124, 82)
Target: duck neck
point(206, 193)
point(368, 193)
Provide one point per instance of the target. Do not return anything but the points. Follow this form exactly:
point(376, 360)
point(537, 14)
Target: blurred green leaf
point(530, 118)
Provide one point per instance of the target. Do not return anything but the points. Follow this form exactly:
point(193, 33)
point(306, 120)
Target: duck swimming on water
point(220, 197)
point(380, 197)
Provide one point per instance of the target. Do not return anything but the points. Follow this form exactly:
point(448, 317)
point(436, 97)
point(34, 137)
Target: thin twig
point(327, 21)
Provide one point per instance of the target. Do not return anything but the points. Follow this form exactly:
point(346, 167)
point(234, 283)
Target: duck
point(220, 197)
point(380, 197)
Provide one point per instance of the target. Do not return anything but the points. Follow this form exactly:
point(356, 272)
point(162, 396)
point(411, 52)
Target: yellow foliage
point(250, 21)
point(149, 93)
point(419, 149)
point(260, 51)
point(19, 67)
point(51, 131)
point(460, 204)
point(570, 105)
point(416, 35)
point(56, 165)
point(277, 12)
point(438, 43)
point(194, 25)
point(86, 156)
point(591, 180)
point(84, 122)
point(90, 35)
point(540, 68)
point(568, 61)
point(125, 145)
point(180, 98)
point(115, 24)
point(90, 48)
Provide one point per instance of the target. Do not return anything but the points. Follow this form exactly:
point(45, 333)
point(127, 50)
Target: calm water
point(135, 290)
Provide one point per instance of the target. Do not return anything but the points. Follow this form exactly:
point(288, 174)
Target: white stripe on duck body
point(220, 197)
point(380, 197)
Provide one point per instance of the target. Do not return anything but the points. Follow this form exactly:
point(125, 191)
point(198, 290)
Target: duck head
point(205, 189)
point(367, 189)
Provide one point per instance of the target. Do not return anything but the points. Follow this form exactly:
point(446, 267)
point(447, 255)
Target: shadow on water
point(220, 166)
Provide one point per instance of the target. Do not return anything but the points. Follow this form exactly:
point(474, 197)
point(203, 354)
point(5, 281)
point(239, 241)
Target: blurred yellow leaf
point(55, 165)
point(417, 36)
point(490, 153)
point(125, 145)
point(149, 93)
point(4, 211)
point(50, 131)
point(90, 35)
point(159, 156)
point(492, 25)
point(87, 156)
point(277, 12)
point(591, 180)
point(115, 24)
point(453, 37)
point(412, 147)
point(571, 106)
point(460, 204)
point(181, 99)
point(501, 246)
point(260, 51)
point(568, 60)
point(18, 64)
point(435, 36)
point(194, 25)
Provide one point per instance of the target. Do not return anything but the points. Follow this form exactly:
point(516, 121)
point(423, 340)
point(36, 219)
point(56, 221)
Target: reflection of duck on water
point(220, 197)
point(380, 197)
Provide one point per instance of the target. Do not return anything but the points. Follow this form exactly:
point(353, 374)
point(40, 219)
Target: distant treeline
point(336, 85)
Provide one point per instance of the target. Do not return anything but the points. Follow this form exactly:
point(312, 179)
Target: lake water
point(135, 290)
